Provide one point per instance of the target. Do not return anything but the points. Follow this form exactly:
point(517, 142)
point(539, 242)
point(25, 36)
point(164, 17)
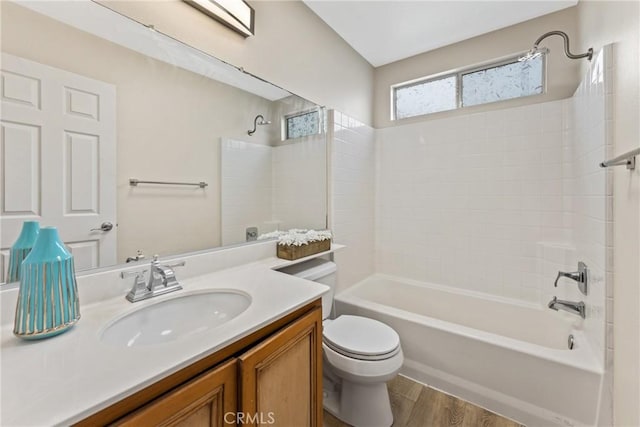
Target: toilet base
point(361, 405)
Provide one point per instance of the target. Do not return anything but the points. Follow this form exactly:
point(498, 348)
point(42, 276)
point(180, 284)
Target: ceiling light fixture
point(235, 14)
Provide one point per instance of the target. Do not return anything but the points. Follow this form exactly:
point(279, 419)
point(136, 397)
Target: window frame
point(458, 73)
point(285, 127)
point(423, 80)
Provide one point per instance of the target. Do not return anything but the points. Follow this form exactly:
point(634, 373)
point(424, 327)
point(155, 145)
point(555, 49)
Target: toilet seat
point(361, 338)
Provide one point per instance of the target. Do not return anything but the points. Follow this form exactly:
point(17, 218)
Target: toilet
point(359, 356)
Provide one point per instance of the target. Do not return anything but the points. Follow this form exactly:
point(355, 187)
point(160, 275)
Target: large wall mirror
point(92, 100)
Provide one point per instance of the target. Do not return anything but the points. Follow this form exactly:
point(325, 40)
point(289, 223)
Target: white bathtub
point(509, 357)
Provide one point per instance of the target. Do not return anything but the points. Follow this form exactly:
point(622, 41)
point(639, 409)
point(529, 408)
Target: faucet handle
point(139, 288)
point(137, 274)
point(139, 284)
point(580, 276)
point(572, 275)
point(180, 263)
point(168, 274)
point(177, 264)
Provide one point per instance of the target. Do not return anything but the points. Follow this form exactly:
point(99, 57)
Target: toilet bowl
point(359, 356)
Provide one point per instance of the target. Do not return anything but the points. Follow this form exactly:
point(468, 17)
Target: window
point(426, 97)
point(498, 81)
point(511, 80)
point(302, 124)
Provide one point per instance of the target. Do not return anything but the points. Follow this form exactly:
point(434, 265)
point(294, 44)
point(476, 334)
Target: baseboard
point(501, 404)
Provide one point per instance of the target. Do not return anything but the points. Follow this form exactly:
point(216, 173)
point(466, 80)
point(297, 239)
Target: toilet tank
point(317, 270)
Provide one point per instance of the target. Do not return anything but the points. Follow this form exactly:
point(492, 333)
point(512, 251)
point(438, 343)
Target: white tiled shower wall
point(245, 188)
point(465, 201)
point(591, 191)
point(299, 197)
point(352, 174)
point(498, 202)
point(261, 185)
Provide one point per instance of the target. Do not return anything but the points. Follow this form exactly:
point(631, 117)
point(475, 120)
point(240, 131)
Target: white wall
point(352, 174)
point(292, 48)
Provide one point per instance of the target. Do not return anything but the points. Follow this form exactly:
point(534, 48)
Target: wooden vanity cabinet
point(272, 377)
point(281, 378)
point(202, 402)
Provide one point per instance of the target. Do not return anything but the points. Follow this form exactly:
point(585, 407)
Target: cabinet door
point(203, 401)
point(281, 378)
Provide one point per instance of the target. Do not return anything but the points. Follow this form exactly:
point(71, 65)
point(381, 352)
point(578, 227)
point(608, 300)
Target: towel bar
point(628, 159)
point(134, 182)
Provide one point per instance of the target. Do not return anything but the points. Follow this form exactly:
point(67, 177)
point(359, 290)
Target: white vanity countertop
point(63, 379)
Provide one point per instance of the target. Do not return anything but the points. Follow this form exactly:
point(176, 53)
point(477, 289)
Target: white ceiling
point(385, 31)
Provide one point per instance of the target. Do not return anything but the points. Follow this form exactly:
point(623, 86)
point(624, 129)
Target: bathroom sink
point(175, 318)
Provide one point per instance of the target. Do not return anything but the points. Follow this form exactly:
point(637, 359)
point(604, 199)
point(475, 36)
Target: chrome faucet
point(162, 280)
point(139, 256)
point(570, 306)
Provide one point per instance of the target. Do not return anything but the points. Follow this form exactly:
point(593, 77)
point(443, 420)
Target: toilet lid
point(360, 336)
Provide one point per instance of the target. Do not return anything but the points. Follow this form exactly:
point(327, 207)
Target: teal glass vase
point(48, 296)
point(21, 249)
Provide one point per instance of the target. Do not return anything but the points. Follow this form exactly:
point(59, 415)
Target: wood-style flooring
point(416, 405)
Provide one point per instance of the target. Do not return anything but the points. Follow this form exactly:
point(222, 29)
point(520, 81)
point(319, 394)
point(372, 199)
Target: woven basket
point(291, 252)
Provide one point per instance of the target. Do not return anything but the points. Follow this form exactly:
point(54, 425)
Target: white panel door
point(58, 158)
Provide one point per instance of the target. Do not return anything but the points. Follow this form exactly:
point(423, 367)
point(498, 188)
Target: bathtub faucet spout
point(570, 306)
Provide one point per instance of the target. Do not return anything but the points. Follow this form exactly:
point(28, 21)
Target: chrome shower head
point(258, 121)
point(535, 51)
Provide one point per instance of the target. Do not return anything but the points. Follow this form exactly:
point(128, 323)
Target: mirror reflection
point(92, 100)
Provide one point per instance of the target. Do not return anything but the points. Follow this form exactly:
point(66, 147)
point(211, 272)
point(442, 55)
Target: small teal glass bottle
point(21, 249)
point(48, 296)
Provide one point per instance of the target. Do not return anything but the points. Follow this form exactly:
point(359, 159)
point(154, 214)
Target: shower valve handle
point(574, 275)
point(579, 276)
